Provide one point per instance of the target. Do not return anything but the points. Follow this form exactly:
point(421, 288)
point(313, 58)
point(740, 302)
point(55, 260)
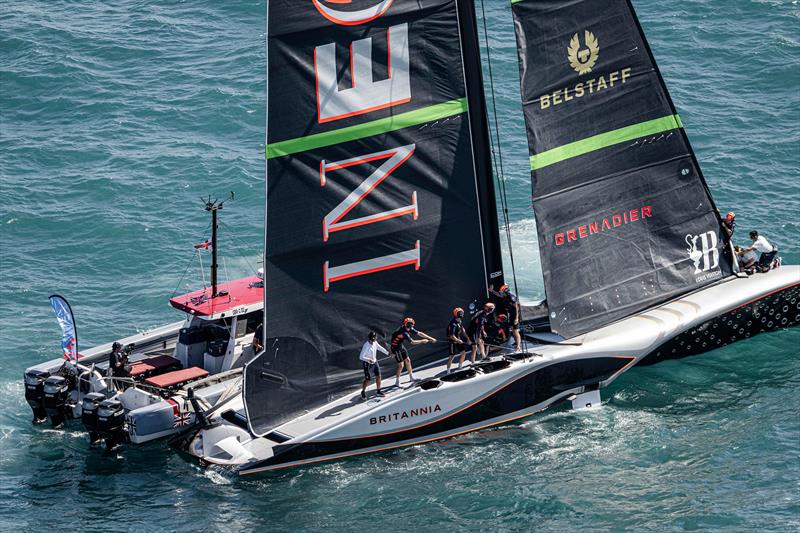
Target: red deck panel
point(174, 378)
point(154, 363)
point(241, 292)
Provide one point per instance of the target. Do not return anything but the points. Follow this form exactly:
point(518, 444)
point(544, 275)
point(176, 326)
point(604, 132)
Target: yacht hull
point(511, 387)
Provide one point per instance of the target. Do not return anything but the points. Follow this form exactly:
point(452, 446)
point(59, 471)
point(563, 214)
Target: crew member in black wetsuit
point(457, 337)
point(118, 364)
point(508, 304)
point(728, 227)
point(397, 346)
point(476, 332)
point(728, 224)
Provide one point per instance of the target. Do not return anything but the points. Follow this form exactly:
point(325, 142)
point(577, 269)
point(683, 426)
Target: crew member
point(746, 258)
point(768, 251)
point(399, 337)
point(508, 304)
point(369, 360)
point(457, 337)
point(258, 338)
point(476, 331)
point(728, 226)
point(118, 365)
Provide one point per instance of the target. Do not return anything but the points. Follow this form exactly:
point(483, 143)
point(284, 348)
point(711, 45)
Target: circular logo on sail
point(583, 58)
point(350, 12)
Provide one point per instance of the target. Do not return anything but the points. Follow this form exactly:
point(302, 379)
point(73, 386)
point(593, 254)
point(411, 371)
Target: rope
point(501, 176)
point(189, 264)
point(239, 244)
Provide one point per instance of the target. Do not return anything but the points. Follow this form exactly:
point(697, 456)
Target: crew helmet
point(488, 307)
point(754, 235)
point(372, 336)
point(408, 322)
point(458, 312)
point(116, 346)
point(504, 287)
point(731, 215)
point(502, 317)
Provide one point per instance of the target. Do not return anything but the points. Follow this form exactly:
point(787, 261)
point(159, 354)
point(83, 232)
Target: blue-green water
point(115, 117)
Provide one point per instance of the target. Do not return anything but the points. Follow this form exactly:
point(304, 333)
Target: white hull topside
point(440, 408)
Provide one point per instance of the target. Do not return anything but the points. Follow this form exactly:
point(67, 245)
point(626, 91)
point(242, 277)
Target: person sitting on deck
point(369, 361)
point(399, 337)
point(746, 258)
point(476, 330)
point(768, 251)
point(457, 337)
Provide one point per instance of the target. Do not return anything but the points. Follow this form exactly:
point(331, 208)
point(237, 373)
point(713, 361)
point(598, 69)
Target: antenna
point(213, 207)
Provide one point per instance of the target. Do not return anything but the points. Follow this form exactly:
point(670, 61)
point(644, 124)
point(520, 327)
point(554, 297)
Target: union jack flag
point(182, 419)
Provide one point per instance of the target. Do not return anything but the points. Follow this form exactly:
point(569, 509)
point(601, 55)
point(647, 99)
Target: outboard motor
point(110, 423)
point(56, 394)
point(90, 404)
point(34, 393)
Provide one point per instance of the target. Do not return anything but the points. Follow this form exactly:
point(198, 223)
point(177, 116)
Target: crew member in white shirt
point(768, 252)
point(369, 360)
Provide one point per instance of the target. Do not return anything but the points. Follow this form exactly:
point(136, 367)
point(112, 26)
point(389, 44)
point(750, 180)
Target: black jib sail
point(374, 201)
point(625, 219)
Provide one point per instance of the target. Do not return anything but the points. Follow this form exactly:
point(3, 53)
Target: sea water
point(117, 117)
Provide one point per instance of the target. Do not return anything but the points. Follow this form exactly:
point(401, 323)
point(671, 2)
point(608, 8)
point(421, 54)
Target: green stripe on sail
point(604, 140)
point(367, 129)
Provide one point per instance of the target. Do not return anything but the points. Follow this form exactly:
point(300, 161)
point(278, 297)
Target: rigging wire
point(238, 244)
point(189, 264)
point(501, 175)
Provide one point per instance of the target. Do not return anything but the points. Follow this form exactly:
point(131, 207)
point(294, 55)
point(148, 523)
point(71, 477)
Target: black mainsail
point(378, 182)
point(624, 216)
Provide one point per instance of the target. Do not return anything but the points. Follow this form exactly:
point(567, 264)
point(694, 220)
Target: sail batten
point(624, 216)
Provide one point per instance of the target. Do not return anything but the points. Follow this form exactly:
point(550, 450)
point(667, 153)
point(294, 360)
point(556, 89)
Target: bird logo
point(583, 59)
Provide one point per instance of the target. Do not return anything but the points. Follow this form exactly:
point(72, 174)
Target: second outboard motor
point(111, 423)
point(56, 394)
point(91, 402)
point(34, 393)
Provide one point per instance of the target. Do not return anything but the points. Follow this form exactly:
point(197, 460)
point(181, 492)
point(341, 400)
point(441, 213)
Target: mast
point(481, 151)
point(213, 207)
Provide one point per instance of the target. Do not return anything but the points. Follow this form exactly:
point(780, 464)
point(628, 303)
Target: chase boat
point(173, 370)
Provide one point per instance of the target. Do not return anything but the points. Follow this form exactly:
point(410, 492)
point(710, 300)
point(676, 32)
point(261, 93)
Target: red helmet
point(488, 307)
point(458, 312)
point(731, 215)
point(504, 287)
point(502, 317)
point(408, 321)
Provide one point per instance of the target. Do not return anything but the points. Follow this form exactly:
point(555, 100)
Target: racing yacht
point(381, 205)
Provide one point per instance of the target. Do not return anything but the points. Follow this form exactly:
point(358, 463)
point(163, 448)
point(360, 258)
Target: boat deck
point(615, 339)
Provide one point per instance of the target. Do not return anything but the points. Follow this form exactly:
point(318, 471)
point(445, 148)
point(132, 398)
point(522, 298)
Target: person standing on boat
point(399, 337)
point(369, 360)
point(258, 338)
point(476, 331)
point(508, 303)
point(728, 227)
point(118, 364)
point(457, 336)
point(768, 251)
